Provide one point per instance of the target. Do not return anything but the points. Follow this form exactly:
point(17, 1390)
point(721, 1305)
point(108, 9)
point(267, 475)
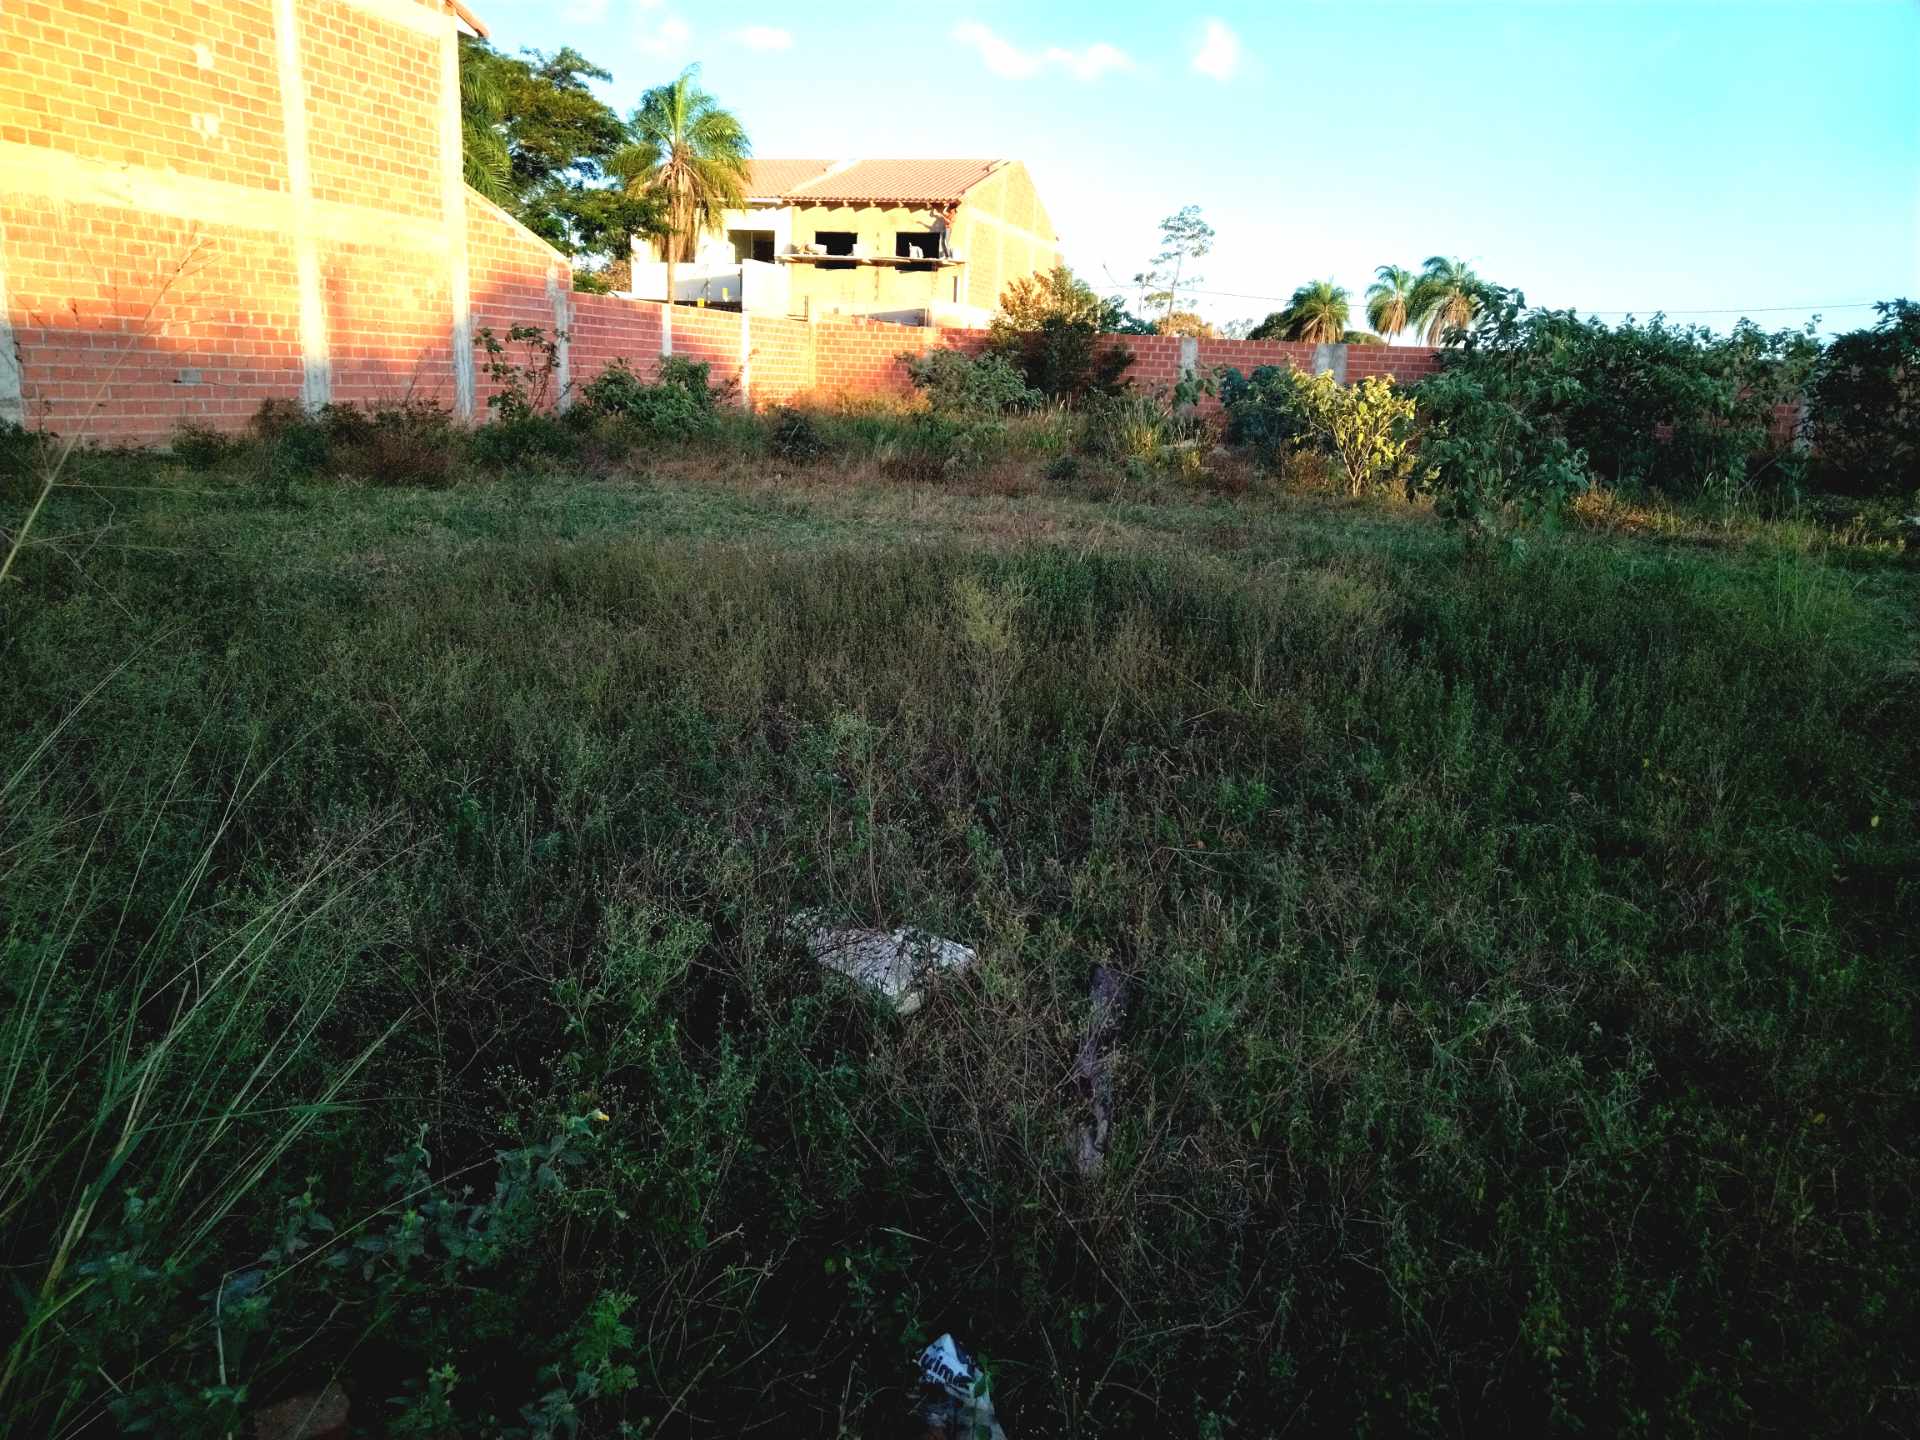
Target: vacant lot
point(396, 885)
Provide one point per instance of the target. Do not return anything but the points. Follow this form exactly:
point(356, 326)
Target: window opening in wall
point(835, 242)
point(752, 245)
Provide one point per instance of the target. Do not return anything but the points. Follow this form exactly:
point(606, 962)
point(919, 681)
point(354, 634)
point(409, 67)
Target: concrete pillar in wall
point(746, 359)
point(316, 361)
point(1331, 360)
point(1189, 358)
point(453, 210)
point(560, 300)
point(13, 404)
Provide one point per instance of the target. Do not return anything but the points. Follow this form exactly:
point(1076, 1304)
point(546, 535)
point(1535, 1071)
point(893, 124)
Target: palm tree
point(1317, 313)
point(692, 157)
point(1445, 297)
point(485, 162)
point(1389, 300)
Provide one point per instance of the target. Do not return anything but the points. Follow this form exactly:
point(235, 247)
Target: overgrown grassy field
point(398, 985)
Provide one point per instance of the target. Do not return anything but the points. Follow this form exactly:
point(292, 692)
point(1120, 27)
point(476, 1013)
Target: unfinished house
point(925, 242)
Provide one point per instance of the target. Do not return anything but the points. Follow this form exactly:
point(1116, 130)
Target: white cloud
point(1091, 63)
point(1002, 58)
point(764, 37)
point(1010, 62)
point(585, 12)
point(665, 39)
point(1219, 52)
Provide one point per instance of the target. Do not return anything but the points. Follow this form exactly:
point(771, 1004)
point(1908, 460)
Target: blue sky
point(1618, 156)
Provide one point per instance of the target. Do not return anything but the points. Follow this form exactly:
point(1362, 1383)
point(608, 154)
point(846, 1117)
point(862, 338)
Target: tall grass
point(1521, 1016)
point(153, 1068)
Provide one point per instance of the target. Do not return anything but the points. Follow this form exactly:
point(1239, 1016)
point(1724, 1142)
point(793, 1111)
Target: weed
point(959, 384)
point(199, 445)
point(1499, 938)
point(679, 406)
point(24, 454)
point(795, 435)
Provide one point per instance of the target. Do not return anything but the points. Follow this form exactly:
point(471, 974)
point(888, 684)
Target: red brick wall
point(783, 359)
point(605, 328)
point(388, 324)
point(514, 276)
point(857, 356)
point(712, 336)
point(373, 109)
point(1405, 364)
point(125, 83)
point(149, 227)
point(1156, 360)
point(149, 251)
point(108, 312)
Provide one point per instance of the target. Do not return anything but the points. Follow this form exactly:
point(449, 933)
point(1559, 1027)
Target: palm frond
point(1317, 313)
point(690, 153)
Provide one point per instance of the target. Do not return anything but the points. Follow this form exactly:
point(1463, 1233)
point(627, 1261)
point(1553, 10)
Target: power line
point(1643, 310)
point(1744, 310)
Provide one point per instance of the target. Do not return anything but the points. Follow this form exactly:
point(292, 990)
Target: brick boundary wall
point(788, 359)
point(834, 358)
point(206, 206)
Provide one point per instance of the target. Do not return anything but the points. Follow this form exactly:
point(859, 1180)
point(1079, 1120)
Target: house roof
point(868, 182)
point(467, 18)
point(774, 178)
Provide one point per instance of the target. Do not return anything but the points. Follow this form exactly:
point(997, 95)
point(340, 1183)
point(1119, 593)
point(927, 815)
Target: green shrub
point(1495, 452)
point(507, 444)
point(198, 444)
point(1263, 413)
point(407, 442)
point(938, 447)
point(1132, 426)
point(1064, 469)
point(1653, 406)
point(679, 405)
point(295, 442)
point(24, 454)
point(524, 368)
point(795, 435)
point(693, 376)
point(1863, 406)
point(1670, 408)
point(1051, 328)
point(1366, 427)
point(959, 384)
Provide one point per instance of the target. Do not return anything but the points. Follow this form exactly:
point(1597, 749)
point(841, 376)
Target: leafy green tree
point(1317, 313)
point(1366, 428)
point(1060, 296)
point(485, 161)
point(1184, 236)
point(1390, 300)
point(1050, 326)
point(1495, 451)
point(1864, 405)
point(539, 143)
point(1185, 322)
point(1446, 297)
point(690, 156)
point(1673, 408)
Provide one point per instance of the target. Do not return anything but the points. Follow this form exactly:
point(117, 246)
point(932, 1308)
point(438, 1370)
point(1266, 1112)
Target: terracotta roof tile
point(776, 177)
point(466, 17)
point(869, 182)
